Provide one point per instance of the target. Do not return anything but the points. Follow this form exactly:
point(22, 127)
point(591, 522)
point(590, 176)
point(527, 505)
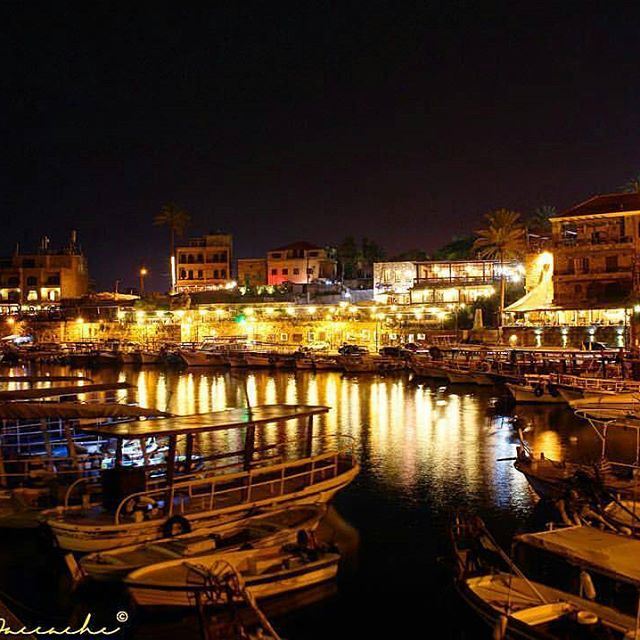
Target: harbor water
point(426, 451)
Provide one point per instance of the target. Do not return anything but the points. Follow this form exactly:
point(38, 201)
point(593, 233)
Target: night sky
point(404, 122)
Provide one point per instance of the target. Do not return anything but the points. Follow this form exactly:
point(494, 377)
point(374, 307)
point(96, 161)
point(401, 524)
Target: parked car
point(594, 346)
point(394, 352)
point(352, 350)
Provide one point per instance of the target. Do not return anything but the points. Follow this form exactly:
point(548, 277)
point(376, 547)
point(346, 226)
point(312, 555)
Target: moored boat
point(133, 511)
point(273, 527)
point(265, 573)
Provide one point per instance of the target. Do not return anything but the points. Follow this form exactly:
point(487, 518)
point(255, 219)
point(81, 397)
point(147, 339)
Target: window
point(32, 295)
point(54, 279)
point(577, 288)
point(200, 274)
point(215, 274)
point(190, 274)
point(313, 254)
point(311, 336)
point(183, 274)
point(611, 263)
point(297, 337)
point(284, 337)
point(296, 272)
point(223, 273)
point(32, 281)
point(274, 272)
point(285, 272)
point(276, 255)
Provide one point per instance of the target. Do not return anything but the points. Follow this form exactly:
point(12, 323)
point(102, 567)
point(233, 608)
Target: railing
point(208, 490)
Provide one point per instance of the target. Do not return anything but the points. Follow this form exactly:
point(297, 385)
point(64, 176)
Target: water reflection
point(425, 450)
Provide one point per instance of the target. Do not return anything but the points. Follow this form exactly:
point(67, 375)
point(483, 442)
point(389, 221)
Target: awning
point(56, 392)
point(540, 298)
point(606, 553)
point(202, 422)
point(72, 410)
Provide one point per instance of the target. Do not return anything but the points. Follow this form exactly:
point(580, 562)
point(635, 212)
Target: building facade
point(439, 282)
point(252, 272)
point(41, 280)
point(299, 263)
point(596, 245)
point(204, 263)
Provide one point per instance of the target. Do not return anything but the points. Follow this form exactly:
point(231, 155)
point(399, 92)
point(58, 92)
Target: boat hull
point(259, 587)
point(87, 538)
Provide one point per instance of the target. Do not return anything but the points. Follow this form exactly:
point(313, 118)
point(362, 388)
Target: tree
point(347, 255)
point(538, 221)
point(370, 252)
point(503, 239)
point(632, 185)
point(459, 248)
point(176, 219)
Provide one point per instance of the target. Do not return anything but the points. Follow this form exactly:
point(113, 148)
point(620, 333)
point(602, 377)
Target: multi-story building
point(299, 263)
point(439, 282)
point(252, 272)
point(40, 280)
point(596, 245)
point(204, 263)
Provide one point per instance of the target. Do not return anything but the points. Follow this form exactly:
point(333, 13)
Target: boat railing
point(242, 487)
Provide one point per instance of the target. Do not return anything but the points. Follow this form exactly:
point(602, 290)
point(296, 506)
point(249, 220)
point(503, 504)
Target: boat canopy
point(72, 410)
point(56, 392)
point(606, 553)
point(202, 422)
point(45, 379)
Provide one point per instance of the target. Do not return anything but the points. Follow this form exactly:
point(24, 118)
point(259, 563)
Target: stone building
point(299, 263)
point(40, 280)
point(252, 272)
point(204, 263)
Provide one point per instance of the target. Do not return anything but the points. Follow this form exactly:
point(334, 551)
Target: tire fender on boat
point(538, 392)
point(176, 525)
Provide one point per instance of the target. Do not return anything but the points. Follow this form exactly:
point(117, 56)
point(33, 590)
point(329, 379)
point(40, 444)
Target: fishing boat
point(536, 389)
point(265, 572)
point(276, 527)
point(147, 357)
point(133, 509)
point(515, 606)
point(259, 359)
point(42, 452)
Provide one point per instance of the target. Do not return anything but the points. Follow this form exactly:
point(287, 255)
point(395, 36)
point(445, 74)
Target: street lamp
point(143, 273)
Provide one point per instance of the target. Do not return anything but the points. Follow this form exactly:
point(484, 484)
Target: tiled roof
point(609, 203)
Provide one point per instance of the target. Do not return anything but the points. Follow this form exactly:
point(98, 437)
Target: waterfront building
point(252, 272)
point(204, 263)
point(41, 280)
point(587, 279)
point(299, 263)
point(440, 282)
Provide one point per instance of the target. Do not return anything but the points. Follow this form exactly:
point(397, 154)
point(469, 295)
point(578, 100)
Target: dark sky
point(281, 121)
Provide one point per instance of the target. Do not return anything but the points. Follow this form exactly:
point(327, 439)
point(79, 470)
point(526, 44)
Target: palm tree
point(539, 219)
point(632, 185)
point(503, 239)
point(176, 219)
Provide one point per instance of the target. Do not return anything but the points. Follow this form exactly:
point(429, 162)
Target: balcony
point(593, 241)
point(455, 281)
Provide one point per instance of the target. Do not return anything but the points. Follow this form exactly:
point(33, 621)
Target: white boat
point(613, 401)
point(516, 607)
point(134, 511)
point(271, 528)
point(149, 357)
point(201, 357)
point(536, 389)
point(265, 573)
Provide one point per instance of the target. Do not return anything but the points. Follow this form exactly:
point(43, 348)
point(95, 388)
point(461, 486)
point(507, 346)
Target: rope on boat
point(223, 569)
point(512, 564)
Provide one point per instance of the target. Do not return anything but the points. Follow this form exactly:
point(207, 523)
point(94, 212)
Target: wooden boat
point(133, 510)
point(263, 530)
point(323, 362)
point(146, 357)
point(266, 572)
point(257, 359)
point(516, 607)
point(536, 389)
